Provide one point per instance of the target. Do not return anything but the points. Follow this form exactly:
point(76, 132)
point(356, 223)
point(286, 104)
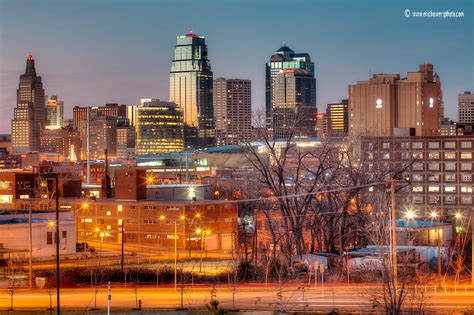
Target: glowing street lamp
point(458, 215)
point(410, 215)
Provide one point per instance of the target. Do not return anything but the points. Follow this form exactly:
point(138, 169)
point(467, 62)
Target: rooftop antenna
point(284, 44)
point(190, 30)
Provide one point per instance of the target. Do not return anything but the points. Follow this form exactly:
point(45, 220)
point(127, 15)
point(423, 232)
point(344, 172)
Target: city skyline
point(137, 51)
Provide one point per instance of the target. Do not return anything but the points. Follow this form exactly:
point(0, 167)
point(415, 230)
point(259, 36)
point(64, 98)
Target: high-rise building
point(30, 112)
point(109, 110)
point(125, 140)
point(233, 111)
point(419, 102)
point(191, 89)
point(338, 118)
point(466, 108)
point(386, 102)
point(290, 94)
point(102, 135)
point(159, 128)
point(54, 112)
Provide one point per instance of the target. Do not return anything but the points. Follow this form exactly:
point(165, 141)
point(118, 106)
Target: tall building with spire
point(191, 83)
point(30, 112)
point(290, 97)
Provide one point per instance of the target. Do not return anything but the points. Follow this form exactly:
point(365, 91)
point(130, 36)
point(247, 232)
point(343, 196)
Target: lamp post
point(175, 222)
point(435, 216)
point(84, 206)
point(54, 176)
point(202, 233)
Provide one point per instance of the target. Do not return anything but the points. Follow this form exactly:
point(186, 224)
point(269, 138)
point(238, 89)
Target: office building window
point(450, 177)
point(433, 188)
point(450, 155)
point(466, 155)
point(466, 166)
point(450, 166)
point(449, 189)
point(450, 145)
point(433, 155)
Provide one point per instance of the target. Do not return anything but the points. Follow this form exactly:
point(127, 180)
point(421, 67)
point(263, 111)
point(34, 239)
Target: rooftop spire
point(30, 66)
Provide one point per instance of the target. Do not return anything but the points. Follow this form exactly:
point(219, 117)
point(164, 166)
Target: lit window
point(466, 189)
point(108, 227)
point(119, 208)
point(109, 213)
point(466, 155)
point(450, 189)
point(450, 155)
point(433, 189)
point(417, 188)
point(433, 155)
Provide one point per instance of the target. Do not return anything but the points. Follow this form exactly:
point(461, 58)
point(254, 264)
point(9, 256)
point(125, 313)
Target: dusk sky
point(114, 51)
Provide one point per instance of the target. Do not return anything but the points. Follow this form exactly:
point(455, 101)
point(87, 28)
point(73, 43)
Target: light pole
point(54, 176)
point(84, 206)
point(435, 216)
point(202, 233)
point(162, 217)
point(196, 216)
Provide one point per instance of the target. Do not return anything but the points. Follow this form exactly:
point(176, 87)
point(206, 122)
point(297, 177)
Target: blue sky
point(103, 51)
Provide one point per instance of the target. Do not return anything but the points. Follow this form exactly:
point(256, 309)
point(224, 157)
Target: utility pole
point(30, 258)
point(175, 255)
point(439, 248)
point(88, 152)
point(394, 238)
point(58, 283)
point(123, 235)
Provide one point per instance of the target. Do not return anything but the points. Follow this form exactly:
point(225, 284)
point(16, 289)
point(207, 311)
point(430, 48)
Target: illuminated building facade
point(191, 82)
point(290, 94)
point(233, 111)
point(466, 108)
point(338, 118)
point(54, 112)
point(321, 125)
point(63, 140)
point(159, 128)
point(386, 102)
point(30, 112)
point(103, 135)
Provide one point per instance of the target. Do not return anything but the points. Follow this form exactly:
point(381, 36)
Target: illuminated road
point(247, 297)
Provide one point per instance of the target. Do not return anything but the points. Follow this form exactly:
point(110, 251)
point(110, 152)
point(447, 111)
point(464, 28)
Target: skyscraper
point(159, 128)
point(466, 108)
point(30, 113)
point(233, 111)
point(191, 89)
point(290, 94)
point(54, 111)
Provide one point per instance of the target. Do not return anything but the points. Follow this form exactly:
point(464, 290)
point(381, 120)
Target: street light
point(202, 233)
point(54, 176)
point(435, 216)
point(410, 214)
point(162, 217)
point(458, 215)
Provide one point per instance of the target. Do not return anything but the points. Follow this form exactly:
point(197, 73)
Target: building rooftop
point(417, 224)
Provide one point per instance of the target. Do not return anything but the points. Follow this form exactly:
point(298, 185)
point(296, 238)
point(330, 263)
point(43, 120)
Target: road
point(355, 298)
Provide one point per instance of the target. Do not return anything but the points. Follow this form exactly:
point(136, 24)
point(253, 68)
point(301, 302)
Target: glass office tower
point(191, 89)
point(159, 128)
point(290, 93)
